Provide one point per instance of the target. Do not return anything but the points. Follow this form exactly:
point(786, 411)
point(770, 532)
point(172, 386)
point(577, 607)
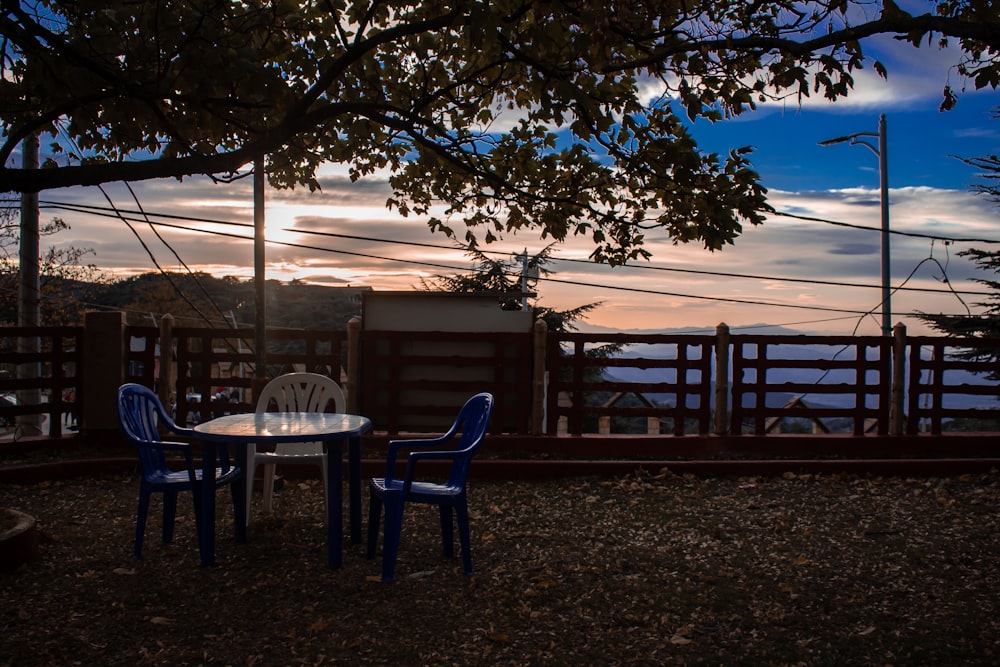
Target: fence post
point(166, 358)
point(721, 413)
point(896, 416)
point(104, 346)
point(353, 363)
point(604, 425)
point(538, 384)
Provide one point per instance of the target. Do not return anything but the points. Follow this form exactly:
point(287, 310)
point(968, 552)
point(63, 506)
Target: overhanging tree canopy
point(562, 115)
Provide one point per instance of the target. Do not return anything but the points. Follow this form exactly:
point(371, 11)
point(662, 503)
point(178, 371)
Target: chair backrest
point(301, 392)
point(472, 421)
point(140, 414)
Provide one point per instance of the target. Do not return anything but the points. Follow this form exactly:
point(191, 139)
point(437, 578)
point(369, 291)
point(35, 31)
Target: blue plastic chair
point(141, 415)
point(449, 496)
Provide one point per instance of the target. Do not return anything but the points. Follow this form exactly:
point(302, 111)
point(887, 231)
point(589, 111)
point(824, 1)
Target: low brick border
point(505, 469)
point(18, 544)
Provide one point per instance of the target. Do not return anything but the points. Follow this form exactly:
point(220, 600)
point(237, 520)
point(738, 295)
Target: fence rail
point(41, 379)
point(599, 383)
point(205, 361)
point(941, 381)
point(412, 381)
point(576, 384)
point(849, 378)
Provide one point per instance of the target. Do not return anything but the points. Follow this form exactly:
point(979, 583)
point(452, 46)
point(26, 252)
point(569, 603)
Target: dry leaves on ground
point(650, 569)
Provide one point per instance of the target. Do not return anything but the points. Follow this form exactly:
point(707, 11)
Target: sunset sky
point(775, 275)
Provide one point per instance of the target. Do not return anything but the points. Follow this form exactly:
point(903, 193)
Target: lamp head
point(838, 140)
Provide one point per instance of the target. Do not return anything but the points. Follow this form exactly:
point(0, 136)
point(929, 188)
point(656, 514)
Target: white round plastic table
point(269, 428)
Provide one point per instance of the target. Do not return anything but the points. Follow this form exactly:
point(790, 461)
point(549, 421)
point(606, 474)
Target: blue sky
point(929, 194)
point(921, 141)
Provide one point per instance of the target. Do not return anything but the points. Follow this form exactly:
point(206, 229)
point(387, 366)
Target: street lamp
point(883, 172)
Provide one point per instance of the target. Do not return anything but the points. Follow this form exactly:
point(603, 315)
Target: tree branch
point(985, 32)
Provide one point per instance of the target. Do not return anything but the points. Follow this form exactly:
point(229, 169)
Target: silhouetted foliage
point(986, 324)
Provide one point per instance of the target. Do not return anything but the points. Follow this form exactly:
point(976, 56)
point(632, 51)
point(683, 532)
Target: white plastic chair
point(293, 392)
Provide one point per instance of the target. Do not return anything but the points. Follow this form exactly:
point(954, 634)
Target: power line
point(152, 258)
point(96, 210)
point(169, 247)
point(897, 232)
point(546, 278)
point(807, 281)
point(751, 302)
point(649, 267)
point(87, 207)
point(117, 212)
point(549, 279)
point(448, 267)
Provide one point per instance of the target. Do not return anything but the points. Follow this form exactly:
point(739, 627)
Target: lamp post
point(883, 172)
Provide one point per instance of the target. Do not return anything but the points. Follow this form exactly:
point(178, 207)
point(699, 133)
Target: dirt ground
point(653, 569)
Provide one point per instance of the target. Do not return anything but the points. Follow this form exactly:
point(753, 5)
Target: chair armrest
point(186, 432)
point(185, 448)
point(411, 463)
point(172, 427)
point(396, 445)
point(167, 445)
point(167, 422)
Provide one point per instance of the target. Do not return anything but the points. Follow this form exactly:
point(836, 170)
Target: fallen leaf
point(421, 574)
point(538, 540)
point(680, 637)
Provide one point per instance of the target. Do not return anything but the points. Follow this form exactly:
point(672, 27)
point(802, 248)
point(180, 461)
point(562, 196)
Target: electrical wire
point(9, 202)
point(896, 232)
point(114, 209)
point(169, 247)
point(546, 278)
point(146, 218)
point(642, 267)
point(448, 267)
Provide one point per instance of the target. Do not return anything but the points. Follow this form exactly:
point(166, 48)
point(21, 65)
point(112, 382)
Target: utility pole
point(28, 301)
point(883, 177)
point(529, 277)
point(881, 151)
point(524, 280)
point(259, 275)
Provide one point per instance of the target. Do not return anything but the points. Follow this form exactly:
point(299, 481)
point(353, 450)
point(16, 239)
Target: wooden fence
point(549, 384)
point(40, 379)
